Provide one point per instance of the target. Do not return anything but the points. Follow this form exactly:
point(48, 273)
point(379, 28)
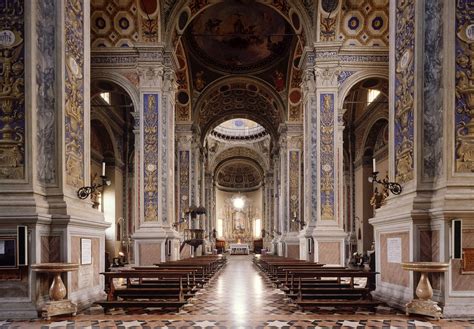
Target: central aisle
point(237, 297)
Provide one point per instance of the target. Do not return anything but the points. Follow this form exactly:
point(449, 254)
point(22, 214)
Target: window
point(220, 225)
point(258, 228)
point(106, 97)
point(372, 94)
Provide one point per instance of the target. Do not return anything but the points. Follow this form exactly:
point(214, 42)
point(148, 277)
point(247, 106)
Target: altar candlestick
point(103, 168)
point(373, 165)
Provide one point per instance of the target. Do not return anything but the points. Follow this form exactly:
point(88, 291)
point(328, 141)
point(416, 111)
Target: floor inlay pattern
point(239, 297)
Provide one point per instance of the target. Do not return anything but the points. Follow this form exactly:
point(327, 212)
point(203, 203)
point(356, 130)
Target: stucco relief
point(433, 85)
point(12, 97)
point(404, 90)
point(74, 89)
point(45, 96)
point(464, 86)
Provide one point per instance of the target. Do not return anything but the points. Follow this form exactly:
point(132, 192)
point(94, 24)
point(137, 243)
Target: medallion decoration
point(464, 115)
point(404, 90)
point(12, 96)
point(74, 90)
point(327, 156)
point(150, 153)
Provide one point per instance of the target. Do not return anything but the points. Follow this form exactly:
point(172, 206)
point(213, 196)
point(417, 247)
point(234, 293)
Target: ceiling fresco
point(237, 37)
point(239, 174)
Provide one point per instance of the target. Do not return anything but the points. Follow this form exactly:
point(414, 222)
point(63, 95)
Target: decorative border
point(74, 91)
point(464, 106)
point(150, 156)
point(12, 81)
point(404, 90)
point(327, 155)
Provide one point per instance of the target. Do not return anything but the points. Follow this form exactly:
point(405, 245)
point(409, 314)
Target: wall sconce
point(393, 187)
point(85, 191)
point(297, 220)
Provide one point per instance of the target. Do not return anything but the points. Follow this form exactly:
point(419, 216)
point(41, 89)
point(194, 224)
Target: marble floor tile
point(240, 296)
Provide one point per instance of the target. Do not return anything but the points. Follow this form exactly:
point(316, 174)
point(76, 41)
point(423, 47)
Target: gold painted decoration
point(327, 156)
point(150, 154)
point(404, 90)
point(12, 96)
point(74, 91)
point(464, 115)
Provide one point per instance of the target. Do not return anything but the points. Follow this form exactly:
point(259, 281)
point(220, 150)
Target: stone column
point(44, 142)
point(292, 188)
point(324, 171)
point(267, 209)
point(156, 69)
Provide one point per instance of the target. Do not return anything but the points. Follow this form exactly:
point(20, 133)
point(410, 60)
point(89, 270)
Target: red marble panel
point(329, 252)
point(393, 272)
point(150, 253)
point(463, 282)
point(293, 251)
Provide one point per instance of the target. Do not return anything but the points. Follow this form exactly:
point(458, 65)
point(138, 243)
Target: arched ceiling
point(356, 101)
point(239, 37)
point(239, 98)
point(239, 174)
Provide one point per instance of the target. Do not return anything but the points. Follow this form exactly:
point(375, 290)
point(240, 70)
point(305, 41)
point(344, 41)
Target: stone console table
point(57, 292)
point(424, 305)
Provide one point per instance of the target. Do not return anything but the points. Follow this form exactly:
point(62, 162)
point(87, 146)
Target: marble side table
point(57, 292)
point(423, 304)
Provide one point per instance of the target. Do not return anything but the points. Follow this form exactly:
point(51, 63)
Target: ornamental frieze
point(327, 156)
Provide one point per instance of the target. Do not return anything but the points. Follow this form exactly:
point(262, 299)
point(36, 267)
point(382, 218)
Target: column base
point(329, 245)
point(292, 245)
point(150, 244)
point(17, 310)
point(464, 307)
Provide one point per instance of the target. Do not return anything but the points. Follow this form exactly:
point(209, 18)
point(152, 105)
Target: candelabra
point(85, 191)
point(393, 187)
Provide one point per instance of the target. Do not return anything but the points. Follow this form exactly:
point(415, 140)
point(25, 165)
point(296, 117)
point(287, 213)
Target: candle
point(373, 165)
point(103, 168)
point(294, 214)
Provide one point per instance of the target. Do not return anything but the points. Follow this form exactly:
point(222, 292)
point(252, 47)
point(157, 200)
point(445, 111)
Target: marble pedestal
point(424, 305)
point(57, 292)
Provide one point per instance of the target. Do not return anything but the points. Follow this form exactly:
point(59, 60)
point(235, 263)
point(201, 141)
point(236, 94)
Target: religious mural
point(74, 89)
point(12, 95)
point(150, 151)
point(232, 36)
point(464, 86)
point(404, 90)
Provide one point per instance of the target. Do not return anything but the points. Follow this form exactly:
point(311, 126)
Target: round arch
point(121, 81)
point(104, 122)
point(241, 160)
point(357, 77)
point(243, 88)
point(239, 151)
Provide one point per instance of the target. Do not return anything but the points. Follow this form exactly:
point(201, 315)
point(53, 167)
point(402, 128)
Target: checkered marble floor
point(240, 297)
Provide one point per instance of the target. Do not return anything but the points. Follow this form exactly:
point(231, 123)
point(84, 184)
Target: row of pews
point(313, 285)
point(167, 286)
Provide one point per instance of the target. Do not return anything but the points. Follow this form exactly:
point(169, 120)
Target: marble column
point(156, 69)
point(267, 208)
point(44, 132)
point(322, 162)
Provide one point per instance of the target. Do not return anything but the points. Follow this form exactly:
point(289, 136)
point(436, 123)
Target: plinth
point(424, 305)
point(57, 292)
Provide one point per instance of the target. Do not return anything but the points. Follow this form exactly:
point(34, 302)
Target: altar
point(239, 249)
